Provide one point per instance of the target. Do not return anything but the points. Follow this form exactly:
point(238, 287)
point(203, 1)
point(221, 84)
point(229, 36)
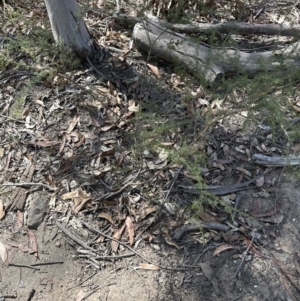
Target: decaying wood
point(18, 198)
point(276, 161)
point(236, 28)
point(211, 63)
point(226, 27)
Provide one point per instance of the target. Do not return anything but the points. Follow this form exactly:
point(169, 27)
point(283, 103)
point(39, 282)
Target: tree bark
point(68, 28)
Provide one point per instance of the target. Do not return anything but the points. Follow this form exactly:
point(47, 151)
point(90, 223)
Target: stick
point(29, 184)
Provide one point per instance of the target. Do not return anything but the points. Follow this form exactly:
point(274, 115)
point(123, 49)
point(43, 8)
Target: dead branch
point(210, 63)
point(276, 161)
point(226, 28)
point(236, 28)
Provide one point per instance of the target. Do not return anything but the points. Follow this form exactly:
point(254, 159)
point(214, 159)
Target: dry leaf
point(132, 107)
point(260, 181)
point(147, 211)
point(32, 242)
point(43, 142)
point(148, 266)
point(130, 229)
point(117, 235)
point(286, 271)
point(3, 252)
point(73, 124)
point(20, 220)
point(170, 241)
point(208, 272)
point(79, 196)
point(155, 70)
point(222, 248)
point(106, 216)
point(2, 211)
point(245, 171)
point(207, 217)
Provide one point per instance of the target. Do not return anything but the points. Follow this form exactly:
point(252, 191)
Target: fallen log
point(226, 27)
point(204, 61)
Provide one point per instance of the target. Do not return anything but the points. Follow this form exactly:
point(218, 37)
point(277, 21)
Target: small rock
point(37, 210)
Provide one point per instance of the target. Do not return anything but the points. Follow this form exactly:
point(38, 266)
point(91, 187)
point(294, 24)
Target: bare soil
point(66, 276)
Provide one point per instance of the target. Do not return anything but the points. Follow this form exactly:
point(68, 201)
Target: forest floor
point(155, 197)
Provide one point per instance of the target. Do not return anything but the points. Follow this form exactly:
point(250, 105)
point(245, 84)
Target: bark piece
point(37, 210)
point(18, 198)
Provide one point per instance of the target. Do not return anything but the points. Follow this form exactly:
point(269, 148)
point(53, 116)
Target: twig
point(31, 294)
point(108, 257)
point(90, 293)
point(179, 232)
point(74, 238)
point(12, 119)
point(115, 257)
point(15, 75)
point(3, 297)
point(236, 205)
point(129, 248)
point(29, 184)
point(82, 282)
point(243, 259)
point(162, 204)
point(22, 266)
point(47, 263)
point(114, 193)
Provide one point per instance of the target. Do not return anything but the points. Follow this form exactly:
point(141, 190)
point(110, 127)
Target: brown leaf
point(32, 242)
point(275, 219)
point(106, 216)
point(3, 252)
point(130, 229)
point(252, 248)
point(148, 211)
point(43, 142)
point(149, 266)
point(208, 272)
point(80, 142)
point(20, 220)
point(170, 241)
point(260, 182)
point(79, 196)
point(286, 271)
point(155, 70)
point(117, 235)
point(62, 145)
point(296, 262)
point(222, 248)
point(2, 211)
point(207, 217)
point(73, 124)
point(244, 171)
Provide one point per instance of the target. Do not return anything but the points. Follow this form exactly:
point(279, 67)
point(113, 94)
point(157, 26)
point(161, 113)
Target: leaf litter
point(83, 144)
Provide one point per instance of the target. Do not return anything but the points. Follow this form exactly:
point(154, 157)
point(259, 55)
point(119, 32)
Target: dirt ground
point(81, 136)
point(66, 276)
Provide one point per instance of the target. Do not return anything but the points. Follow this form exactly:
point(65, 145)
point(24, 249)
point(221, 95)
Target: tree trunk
point(68, 28)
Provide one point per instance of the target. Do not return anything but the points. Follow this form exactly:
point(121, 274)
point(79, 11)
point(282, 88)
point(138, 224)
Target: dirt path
point(66, 276)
